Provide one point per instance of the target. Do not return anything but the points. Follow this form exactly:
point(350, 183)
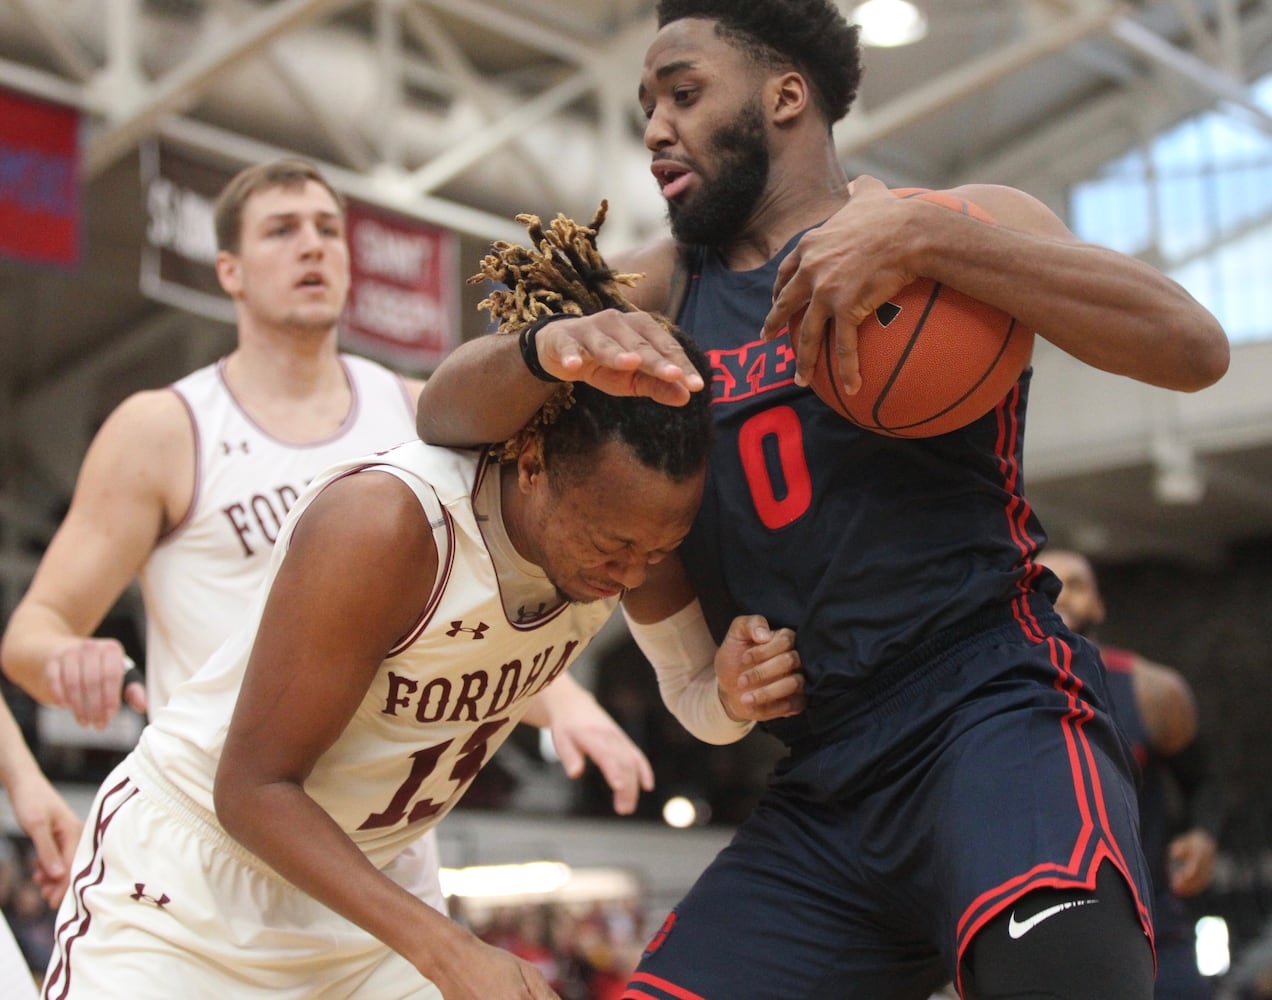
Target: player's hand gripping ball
point(932, 359)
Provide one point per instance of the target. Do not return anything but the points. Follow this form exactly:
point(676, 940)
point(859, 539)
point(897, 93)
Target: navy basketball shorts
point(871, 862)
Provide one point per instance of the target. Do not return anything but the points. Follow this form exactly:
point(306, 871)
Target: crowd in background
point(28, 916)
point(586, 952)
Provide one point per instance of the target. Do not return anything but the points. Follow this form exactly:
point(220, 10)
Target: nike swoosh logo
point(1019, 928)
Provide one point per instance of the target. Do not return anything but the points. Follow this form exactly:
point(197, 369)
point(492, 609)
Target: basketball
point(932, 359)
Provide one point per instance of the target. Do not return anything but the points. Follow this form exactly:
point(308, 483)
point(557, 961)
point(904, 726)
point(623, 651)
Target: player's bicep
point(355, 579)
point(1017, 210)
point(1167, 705)
point(118, 509)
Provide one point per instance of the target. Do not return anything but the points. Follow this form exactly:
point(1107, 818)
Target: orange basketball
point(932, 359)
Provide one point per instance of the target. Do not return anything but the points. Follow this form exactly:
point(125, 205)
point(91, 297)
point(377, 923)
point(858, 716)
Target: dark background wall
point(1214, 625)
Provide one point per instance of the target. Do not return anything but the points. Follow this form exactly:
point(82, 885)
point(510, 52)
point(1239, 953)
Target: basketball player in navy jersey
point(1155, 706)
point(957, 803)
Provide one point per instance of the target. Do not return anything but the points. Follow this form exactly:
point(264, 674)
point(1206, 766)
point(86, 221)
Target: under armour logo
point(141, 896)
point(525, 615)
point(479, 632)
point(228, 448)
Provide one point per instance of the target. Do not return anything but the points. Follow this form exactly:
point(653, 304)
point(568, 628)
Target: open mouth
point(672, 177)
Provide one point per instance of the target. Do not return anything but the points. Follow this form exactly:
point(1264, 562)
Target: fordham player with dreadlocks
point(239, 850)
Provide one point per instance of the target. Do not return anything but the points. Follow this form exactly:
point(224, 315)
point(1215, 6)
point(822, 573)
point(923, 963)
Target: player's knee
point(1064, 945)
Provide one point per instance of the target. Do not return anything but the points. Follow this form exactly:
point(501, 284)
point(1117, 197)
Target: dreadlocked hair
point(561, 272)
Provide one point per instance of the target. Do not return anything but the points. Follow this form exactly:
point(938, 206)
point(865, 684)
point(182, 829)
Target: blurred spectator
point(31, 921)
point(586, 953)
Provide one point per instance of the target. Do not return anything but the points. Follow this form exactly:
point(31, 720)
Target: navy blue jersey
point(865, 545)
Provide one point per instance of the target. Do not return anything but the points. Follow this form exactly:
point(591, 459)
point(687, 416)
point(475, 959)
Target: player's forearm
point(561, 697)
point(16, 762)
point(34, 636)
point(481, 393)
point(682, 652)
point(1107, 309)
point(291, 833)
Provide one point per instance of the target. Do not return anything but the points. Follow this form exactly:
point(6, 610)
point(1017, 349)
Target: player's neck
point(295, 363)
point(511, 508)
point(296, 394)
point(785, 210)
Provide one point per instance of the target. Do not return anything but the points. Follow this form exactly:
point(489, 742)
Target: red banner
point(39, 181)
point(403, 306)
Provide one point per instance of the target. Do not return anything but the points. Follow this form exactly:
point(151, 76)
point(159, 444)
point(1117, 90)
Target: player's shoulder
point(1167, 704)
point(149, 415)
point(147, 441)
point(1013, 207)
point(1167, 680)
point(399, 533)
point(1118, 660)
point(151, 429)
point(656, 264)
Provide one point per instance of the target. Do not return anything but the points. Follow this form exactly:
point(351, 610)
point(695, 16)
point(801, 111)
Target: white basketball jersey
point(199, 582)
point(442, 701)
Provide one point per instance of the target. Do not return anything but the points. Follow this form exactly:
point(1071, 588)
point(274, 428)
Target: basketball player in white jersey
point(383, 666)
point(187, 486)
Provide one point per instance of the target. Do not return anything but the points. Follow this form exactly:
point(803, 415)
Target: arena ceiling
point(466, 112)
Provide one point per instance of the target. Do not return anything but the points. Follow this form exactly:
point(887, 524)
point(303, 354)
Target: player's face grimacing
point(595, 530)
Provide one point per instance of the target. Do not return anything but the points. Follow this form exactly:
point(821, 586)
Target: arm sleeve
point(1203, 794)
point(682, 653)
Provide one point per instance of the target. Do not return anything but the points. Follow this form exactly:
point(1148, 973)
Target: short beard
point(722, 207)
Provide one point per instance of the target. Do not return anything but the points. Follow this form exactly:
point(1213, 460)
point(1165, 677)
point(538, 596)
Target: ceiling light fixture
point(889, 23)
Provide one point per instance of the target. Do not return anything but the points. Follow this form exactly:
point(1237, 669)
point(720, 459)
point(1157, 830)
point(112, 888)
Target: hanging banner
point(178, 257)
point(403, 307)
point(404, 303)
point(40, 198)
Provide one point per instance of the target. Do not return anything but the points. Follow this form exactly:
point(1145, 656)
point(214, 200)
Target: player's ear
point(788, 96)
point(529, 464)
point(227, 272)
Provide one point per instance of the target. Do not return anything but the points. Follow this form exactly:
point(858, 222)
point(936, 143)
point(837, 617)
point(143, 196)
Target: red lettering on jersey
point(751, 369)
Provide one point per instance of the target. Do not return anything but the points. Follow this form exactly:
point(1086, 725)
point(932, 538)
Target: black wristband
point(132, 675)
point(530, 349)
